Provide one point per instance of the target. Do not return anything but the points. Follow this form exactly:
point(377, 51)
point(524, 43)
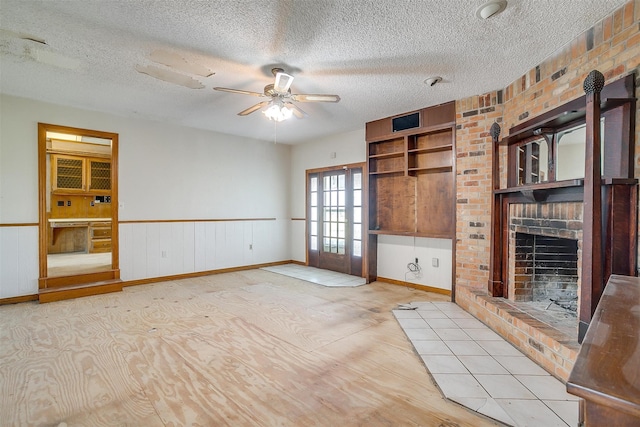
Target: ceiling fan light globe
point(277, 113)
point(286, 113)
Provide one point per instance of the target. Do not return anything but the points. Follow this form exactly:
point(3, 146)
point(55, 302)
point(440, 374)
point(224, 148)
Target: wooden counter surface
point(607, 371)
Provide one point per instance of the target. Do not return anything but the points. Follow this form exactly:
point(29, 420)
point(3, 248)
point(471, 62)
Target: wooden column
point(496, 285)
point(591, 285)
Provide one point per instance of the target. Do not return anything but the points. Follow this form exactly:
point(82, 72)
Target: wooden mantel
point(610, 196)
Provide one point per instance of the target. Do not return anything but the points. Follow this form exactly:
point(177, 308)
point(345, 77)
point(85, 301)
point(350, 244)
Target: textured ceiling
point(375, 54)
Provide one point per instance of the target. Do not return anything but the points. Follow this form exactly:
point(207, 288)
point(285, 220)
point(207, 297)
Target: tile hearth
point(477, 368)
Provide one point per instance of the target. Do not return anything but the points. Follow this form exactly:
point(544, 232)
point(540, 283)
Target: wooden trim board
point(415, 286)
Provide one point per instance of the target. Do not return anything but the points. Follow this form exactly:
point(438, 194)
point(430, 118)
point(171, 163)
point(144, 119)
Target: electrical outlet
point(250, 247)
point(435, 262)
point(164, 254)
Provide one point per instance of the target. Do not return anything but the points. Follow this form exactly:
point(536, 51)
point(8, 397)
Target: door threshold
point(76, 291)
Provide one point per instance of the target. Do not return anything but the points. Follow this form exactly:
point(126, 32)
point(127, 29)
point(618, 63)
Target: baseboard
point(79, 292)
point(16, 300)
point(415, 286)
point(203, 273)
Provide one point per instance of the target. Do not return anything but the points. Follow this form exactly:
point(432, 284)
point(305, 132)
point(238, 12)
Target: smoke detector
point(491, 8)
point(432, 81)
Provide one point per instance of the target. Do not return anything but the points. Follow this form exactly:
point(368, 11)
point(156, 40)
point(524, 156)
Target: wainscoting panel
point(204, 245)
point(149, 250)
point(18, 261)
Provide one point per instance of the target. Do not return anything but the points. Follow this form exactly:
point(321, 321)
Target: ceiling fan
point(280, 105)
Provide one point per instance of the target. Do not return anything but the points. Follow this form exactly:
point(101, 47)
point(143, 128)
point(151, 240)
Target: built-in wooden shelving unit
point(411, 176)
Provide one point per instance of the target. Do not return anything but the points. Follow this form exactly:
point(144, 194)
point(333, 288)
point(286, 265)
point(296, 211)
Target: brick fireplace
point(544, 252)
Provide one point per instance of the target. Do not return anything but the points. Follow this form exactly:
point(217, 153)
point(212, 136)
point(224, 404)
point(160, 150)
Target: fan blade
point(297, 111)
point(283, 82)
point(314, 98)
point(241, 92)
point(253, 108)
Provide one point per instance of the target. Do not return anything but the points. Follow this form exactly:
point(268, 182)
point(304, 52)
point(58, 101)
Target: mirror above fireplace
point(547, 200)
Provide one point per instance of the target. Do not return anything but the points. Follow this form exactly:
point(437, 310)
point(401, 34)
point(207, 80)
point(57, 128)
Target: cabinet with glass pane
point(76, 174)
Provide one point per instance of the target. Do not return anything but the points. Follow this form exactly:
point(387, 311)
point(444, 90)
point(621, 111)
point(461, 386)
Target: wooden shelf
point(444, 147)
point(387, 155)
point(387, 172)
point(432, 169)
point(411, 234)
point(542, 186)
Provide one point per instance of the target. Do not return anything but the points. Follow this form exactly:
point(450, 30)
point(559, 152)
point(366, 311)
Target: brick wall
point(612, 46)
point(474, 117)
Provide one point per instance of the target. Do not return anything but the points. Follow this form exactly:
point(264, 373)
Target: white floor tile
point(520, 365)
point(546, 387)
point(431, 347)
point(477, 368)
point(413, 324)
point(499, 348)
point(459, 385)
point(448, 306)
point(567, 410)
point(422, 334)
point(432, 314)
point(483, 335)
point(504, 387)
point(530, 413)
point(458, 315)
point(470, 324)
point(483, 365)
point(438, 364)
point(466, 348)
point(452, 334)
point(317, 275)
point(441, 323)
point(425, 306)
point(488, 407)
point(406, 314)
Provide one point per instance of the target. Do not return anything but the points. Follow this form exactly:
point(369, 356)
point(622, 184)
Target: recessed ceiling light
point(491, 8)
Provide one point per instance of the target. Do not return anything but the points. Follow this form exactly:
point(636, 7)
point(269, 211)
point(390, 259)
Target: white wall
point(165, 172)
point(348, 148)
point(395, 252)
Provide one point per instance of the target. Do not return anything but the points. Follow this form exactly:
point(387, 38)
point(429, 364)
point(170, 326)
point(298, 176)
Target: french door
point(335, 217)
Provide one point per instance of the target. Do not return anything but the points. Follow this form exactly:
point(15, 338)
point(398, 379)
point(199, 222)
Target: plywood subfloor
point(251, 348)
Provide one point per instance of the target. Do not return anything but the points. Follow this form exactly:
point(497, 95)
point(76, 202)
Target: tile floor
point(475, 367)
point(317, 276)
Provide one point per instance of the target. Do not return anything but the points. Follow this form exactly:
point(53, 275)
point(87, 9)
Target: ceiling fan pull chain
point(275, 132)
